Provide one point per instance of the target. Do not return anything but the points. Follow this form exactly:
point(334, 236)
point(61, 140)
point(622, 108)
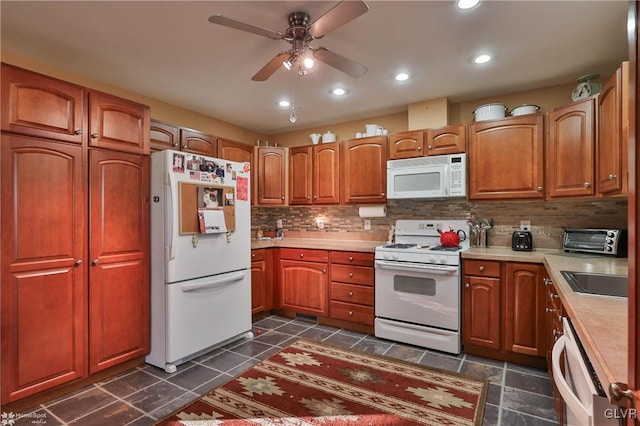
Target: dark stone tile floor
point(517, 395)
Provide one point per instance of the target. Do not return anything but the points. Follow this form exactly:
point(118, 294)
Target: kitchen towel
point(373, 211)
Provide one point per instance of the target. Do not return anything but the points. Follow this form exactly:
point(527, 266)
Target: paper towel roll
point(373, 211)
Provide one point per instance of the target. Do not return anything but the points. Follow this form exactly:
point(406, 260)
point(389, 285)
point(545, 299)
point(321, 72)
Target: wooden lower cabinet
point(553, 330)
point(44, 286)
point(351, 291)
point(304, 282)
point(261, 281)
point(119, 246)
point(503, 312)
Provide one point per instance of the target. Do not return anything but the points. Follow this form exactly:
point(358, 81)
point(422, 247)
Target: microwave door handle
point(572, 401)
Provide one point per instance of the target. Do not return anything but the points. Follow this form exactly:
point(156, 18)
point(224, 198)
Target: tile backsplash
point(548, 218)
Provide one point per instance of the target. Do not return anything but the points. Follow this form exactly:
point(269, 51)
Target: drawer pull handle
point(481, 268)
point(95, 135)
point(547, 281)
point(612, 176)
point(77, 132)
point(553, 296)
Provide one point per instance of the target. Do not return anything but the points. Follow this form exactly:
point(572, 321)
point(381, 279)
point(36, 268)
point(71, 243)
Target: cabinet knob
point(253, 255)
point(587, 184)
point(549, 310)
point(184, 145)
point(301, 255)
point(382, 194)
point(612, 176)
point(95, 261)
point(308, 197)
point(350, 294)
point(282, 198)
point(350, 274)
point(540, 188)
point(547, 281)
point(350, 258)
point(78, 262)
point(77, 132)
point(419, 148)
point(175, 143)
point(96, 136)
point(350, 313)
point(430, 146)
point(481, 268)
point(315, 196)
point(466, 285)
point(324, 271)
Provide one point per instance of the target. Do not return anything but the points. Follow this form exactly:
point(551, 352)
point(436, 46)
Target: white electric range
point(417, 285)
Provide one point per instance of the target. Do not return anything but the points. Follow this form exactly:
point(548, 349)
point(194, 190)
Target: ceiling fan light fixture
point(288, 64)
point(482, 59)
point(284, 103)
point(308, 62)
point(338, 91)
point(402, 76)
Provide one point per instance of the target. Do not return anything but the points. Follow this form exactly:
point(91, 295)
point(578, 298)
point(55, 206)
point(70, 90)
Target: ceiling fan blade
point(271, 67)
point(232, 23)
point(346, 65)
point(337, 16)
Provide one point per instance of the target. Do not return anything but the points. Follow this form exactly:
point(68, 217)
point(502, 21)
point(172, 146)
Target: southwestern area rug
point(312, 383)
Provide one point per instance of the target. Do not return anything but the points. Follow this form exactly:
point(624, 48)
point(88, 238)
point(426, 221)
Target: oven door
point(418, 293)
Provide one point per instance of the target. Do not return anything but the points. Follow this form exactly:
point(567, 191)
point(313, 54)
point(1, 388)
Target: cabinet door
point(446, 140)
point(301, 175)
point(524, 308)
point(612, 148)
point(326, 173)
point(506, 158)
point(34, 104)
point(43, 308)
point(118, 124)
point(197, 143)
point(272, 163)
point(570, 166)
point(235, 151)
point(406, 145)
point(364, 170)
point(163, 136)
point(304, 287)
point(119, 253)
point(481, 312)
point(258, 285)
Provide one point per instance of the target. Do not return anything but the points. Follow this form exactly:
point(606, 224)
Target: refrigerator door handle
point(173, 228)
point(226, 279)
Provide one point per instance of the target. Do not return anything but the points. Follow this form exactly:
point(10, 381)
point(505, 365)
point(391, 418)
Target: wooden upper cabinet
point(364, 170)
point(613, 133)
point(406, 144)
point(163, 136)
point(506, 158)
point(271, 175)
point(43, 281)
point(235, 151)
point(118, 124)
point(446, 140)
point(570, 150)
point(314, 174)
point(37, 105)
point(301, 175)
point(198, 143)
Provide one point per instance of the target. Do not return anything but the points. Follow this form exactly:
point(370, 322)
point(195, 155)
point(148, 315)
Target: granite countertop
point(600, 321)
point(321, 244)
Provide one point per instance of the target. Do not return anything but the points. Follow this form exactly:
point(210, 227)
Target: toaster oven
point(611, 242)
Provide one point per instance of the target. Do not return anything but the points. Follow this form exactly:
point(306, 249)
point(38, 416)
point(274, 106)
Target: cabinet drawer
point(304, 254)
point(483, 268)
point(352, 293)
point(352, 274)
point(352, 258)
point(351, 312)
point(258, 254)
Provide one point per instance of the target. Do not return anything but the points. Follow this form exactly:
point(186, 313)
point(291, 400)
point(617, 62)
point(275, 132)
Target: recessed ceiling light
point(467, 4)
point(403, 76)
point(482, 59)
point(338, 91)
point(284, 103)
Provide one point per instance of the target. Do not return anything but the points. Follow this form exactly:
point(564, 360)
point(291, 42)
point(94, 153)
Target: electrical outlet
point(320, 223)
point(367, 224)
point(525, 225)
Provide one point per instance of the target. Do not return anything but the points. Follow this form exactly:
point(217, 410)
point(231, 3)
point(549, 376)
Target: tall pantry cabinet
point(74, 232)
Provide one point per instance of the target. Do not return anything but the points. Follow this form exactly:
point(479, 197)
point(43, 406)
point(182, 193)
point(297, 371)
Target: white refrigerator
point(200, 255)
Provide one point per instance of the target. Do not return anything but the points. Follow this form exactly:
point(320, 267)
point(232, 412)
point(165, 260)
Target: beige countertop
point(321, 244)
point(600, 321)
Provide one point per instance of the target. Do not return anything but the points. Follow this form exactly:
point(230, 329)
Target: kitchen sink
point(600, 284)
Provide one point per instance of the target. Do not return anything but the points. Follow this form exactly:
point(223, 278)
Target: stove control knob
point(394, 256)
point(385, 255)
point(432, 259)
point(443, 260)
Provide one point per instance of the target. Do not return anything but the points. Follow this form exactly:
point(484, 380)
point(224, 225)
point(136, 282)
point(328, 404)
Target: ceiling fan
point(300, 34)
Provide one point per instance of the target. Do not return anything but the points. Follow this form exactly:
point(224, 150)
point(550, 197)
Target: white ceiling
point(169, 51)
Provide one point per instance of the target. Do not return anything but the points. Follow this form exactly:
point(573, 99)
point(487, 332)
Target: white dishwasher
point(585, 401)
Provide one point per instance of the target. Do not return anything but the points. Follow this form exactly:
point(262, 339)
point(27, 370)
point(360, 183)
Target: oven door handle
point(416, 267)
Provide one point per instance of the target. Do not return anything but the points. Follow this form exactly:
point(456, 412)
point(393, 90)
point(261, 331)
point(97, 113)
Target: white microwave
point(440, 176)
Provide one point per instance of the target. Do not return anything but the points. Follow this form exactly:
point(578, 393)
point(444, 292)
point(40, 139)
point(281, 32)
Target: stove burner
point(442, 248)
point(399, 245)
